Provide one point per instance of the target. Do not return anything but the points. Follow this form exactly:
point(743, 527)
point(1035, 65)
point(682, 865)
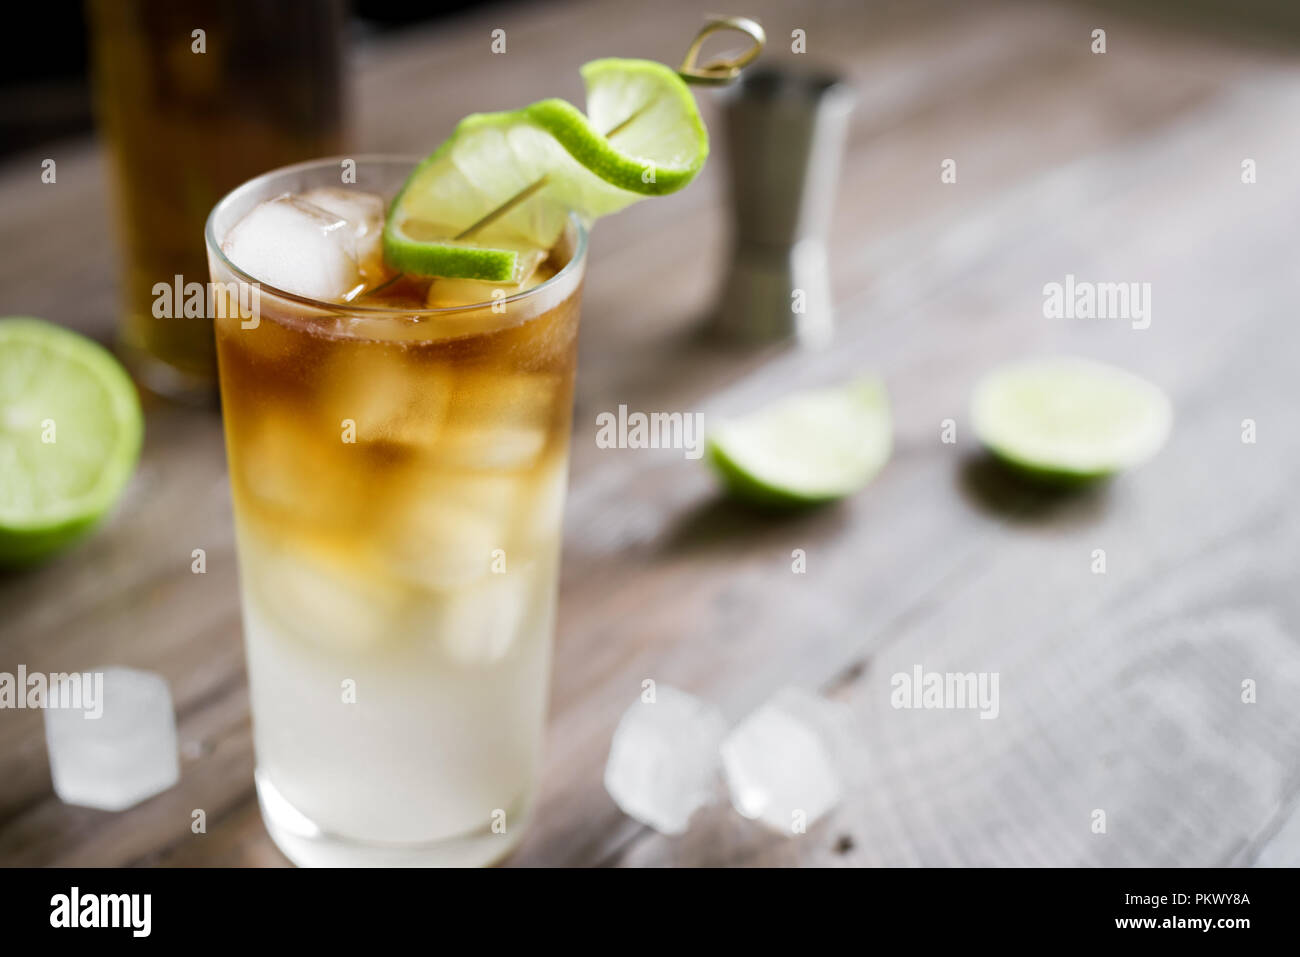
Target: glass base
point(307, 845)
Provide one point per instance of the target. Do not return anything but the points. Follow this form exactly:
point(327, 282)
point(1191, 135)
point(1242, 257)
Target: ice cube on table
point(663, 759)
point(297, 246)
point(122, 757)
point(782, 761)
point(364, 213)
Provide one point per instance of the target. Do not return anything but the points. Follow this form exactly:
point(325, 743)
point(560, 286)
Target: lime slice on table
point(517, 175)
point(1068, 419)
point(70, 432)
point(807, 448)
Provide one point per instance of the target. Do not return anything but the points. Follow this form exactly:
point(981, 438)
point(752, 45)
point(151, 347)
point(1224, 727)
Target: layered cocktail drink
point(397, 464)
point(396, 344)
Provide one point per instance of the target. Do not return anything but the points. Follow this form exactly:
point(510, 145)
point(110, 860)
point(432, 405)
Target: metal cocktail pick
point(726, 69)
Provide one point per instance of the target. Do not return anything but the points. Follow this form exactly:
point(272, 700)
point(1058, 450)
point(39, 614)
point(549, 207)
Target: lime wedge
point(807, 448)
point(70, 432)
point(512, 178)
point(1068, 419)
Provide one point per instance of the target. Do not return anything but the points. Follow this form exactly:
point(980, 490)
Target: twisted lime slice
point(506, 182)
point(462, 260)
point(1068, 419)
point(808, 448)
point(70, 431)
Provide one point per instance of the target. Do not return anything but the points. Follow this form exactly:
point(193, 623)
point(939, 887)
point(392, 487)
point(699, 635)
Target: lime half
point(807, 448)
point(510, 180)
point(70, 432)
point(1069, 419)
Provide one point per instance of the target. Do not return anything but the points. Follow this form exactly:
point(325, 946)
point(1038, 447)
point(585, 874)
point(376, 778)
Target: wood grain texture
point(1119, 691)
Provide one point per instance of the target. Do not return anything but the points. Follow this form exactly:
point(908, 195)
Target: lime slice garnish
point(807, 448)
point(70, 432)
point(1069, 419)
point(462, 260)
point(509, 180)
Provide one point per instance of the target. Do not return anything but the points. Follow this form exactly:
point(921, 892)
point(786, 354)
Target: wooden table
point(1120, 692)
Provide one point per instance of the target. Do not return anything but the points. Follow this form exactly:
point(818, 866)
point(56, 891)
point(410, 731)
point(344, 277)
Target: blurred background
point(1120, 691)
point(45, 91)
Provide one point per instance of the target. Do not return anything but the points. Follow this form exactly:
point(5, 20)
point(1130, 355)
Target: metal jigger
point(786, 134)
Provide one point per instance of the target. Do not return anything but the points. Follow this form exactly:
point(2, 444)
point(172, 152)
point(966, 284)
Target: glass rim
point(575, 262)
